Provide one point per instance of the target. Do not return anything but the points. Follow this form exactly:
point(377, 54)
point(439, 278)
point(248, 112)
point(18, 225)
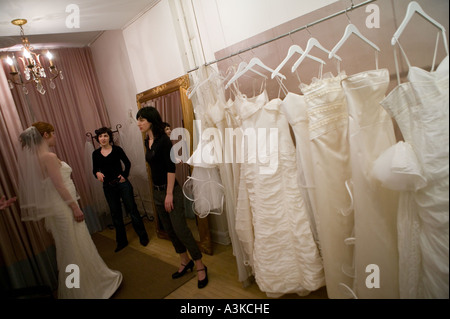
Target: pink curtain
point(75, 107)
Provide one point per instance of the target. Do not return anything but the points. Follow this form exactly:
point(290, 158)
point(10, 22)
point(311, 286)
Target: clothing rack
point(89, 134)
point(288, 33)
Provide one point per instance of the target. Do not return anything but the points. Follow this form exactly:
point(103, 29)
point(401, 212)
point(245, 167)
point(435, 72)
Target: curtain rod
point(288, 33)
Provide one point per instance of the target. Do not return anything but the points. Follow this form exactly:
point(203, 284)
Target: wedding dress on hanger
point(294, 108)
point(285, 256)
point(209, 102)
point(328, 134)
point(371, 131)
point(420, 106)
point(95, 214)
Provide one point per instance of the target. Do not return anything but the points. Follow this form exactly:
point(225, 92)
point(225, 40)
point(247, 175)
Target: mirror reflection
point(176, 111)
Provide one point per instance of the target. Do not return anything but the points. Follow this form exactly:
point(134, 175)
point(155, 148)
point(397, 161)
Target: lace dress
point(74, 246)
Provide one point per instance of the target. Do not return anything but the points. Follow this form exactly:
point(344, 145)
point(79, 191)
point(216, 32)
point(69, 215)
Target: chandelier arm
point(34, 70)
point(20, 83)
point(55, 75)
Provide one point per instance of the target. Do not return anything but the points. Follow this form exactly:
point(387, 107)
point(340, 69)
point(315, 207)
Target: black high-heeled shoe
point(202, 283)
point(178, 274)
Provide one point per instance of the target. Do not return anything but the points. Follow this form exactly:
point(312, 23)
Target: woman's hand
point(122, 179)
point(168, 203)
point(6, 202)
point(100, 176)
point(78, 214)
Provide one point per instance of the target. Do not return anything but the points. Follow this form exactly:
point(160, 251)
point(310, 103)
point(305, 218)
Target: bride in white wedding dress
point(47, 191)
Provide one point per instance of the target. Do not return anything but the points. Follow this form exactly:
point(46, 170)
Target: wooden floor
point(222, 270)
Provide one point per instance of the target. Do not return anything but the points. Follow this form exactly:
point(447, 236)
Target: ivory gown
point(74, 245)
point(421, 109)
point(285, 256)
point(328, 133)
point(371, 131)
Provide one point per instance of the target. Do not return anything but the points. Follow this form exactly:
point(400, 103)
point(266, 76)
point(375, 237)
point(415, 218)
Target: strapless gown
point(285, 256)
point(74, 246)
point(420, 107)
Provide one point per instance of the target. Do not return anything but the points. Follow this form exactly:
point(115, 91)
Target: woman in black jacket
point(107, 168)
point(167, 193)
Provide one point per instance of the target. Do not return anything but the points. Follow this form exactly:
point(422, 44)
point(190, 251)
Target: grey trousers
point(174, 223)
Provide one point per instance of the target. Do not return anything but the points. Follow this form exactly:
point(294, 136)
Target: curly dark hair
point(103, 130)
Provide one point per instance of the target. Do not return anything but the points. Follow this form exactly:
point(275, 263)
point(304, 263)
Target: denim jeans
point(124, 191)
point(174, 223)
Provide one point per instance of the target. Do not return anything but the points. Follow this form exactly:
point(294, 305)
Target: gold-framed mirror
point(171, 98)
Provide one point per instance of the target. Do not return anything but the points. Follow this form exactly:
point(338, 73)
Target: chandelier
point(34, 71)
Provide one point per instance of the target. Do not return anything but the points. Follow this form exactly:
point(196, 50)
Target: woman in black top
point(107, 168)
point(167, 194)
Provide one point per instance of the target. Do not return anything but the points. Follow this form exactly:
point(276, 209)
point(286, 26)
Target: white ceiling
point(47, 25)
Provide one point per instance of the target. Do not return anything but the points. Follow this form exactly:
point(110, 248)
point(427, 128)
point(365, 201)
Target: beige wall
point(153, 49)
point(115, 74)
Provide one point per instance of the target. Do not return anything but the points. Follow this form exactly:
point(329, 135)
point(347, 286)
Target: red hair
point(43, 127)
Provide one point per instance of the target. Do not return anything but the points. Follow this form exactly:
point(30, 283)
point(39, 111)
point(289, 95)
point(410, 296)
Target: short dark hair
point(166, 124)
point(103, 130)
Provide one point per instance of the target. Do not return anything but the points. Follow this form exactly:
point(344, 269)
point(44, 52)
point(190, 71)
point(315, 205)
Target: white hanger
point(243, 64)
point(414, 7)
point(191, 92)
point(349, 30)
point(249, 67)
point(292, 50)
point(312, 42)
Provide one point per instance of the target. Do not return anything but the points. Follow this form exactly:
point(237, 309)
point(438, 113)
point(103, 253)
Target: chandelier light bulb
point(26, 53)
point(50, 57)
point(11, 65)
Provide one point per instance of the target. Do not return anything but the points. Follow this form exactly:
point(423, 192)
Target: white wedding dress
point(421, 109)
point(285, 256)
point(74, 246)
point(371, 131)
point(329, 147)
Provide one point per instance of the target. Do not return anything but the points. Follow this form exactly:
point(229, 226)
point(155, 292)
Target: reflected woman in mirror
point(167, 129)
point(107, 168)
point(167, 194)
